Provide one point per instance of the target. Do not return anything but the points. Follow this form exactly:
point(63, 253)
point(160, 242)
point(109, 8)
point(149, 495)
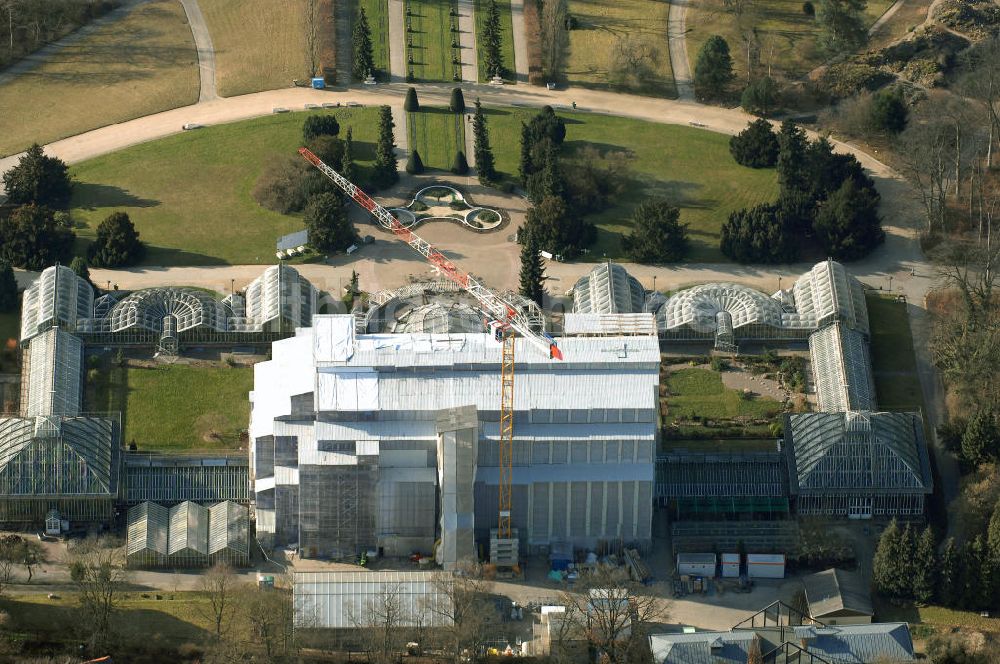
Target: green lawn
point(437, 134)
point(935, 616)
point(177, 618)
point(158, 410)
point(700, 393)
point(897, 385)
point(377, 12)
point(431, 37)
point(621, 45)
point(189, 194)
point(690, 166)
point(136, 66)
point(507, 39)
point(786, 35)
point(259, 44)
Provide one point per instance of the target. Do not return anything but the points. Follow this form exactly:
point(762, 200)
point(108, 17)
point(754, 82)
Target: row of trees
point(822, 194)
point(27, 25)
point(908, 566)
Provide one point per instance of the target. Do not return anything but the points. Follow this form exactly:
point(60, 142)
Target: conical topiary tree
point(414, 165)
point(457, 103)
point(460, 166)
point(411, 105)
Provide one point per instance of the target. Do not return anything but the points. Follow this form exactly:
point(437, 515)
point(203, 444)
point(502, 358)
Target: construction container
point(766, 565)
point(730, 565)
point(696, 564)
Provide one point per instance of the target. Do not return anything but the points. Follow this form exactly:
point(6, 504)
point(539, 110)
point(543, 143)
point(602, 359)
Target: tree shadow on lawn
point(162, 256)
point(91, 196)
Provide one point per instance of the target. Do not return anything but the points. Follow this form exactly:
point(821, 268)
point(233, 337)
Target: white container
point(730, 565)
point(766, 565)
point(696, 564)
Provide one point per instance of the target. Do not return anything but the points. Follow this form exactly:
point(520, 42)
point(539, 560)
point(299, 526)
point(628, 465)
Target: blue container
point(318, 84)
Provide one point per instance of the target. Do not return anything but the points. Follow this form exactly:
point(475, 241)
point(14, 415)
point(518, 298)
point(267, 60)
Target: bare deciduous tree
point(613, 612)
point(925, 150)
point(97, 571)
point(312, 35)
point(220, 585)
point(467, 609)
point(555, 37)
point(380, 625)
point(9, 548)
point(268, 617)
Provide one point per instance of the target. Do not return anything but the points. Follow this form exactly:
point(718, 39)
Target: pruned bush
point(808, 9)
point(319, 125)
point(460, 166)
point(414, 165)
point(756, 146)
point(287, 183)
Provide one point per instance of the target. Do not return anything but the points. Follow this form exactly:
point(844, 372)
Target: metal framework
point(508, 318)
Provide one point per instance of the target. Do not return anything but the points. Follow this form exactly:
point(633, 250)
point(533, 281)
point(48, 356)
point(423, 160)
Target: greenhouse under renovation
point(378, 431)
point(188, 535)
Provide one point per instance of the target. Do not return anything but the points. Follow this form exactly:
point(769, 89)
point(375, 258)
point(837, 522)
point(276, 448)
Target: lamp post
point(654, 283)
point(232, 286)
point(779, 282)
point(890, 283)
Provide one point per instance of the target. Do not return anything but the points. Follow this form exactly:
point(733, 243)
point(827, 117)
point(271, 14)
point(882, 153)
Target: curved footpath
point(496, 259)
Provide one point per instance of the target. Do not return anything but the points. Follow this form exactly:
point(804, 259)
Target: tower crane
point(505, 321)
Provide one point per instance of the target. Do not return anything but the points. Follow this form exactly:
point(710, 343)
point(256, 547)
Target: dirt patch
point(737, 378)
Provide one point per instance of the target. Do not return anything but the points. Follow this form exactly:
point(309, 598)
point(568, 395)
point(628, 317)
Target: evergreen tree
point(841, 25)
point(556, 230)
point(905, 566)
point(925, 568)
point(756, 146)
point(411, 104)
point(319, 125)
point(889, 113)
point(327, 223)
point(532, 270)
point(760, 97)
point(993, 548)
point(457, 102)
point(347, 167)
point(977, 581)
point(80, 267)
point(117, 243)
point(761, 234)
point(885, 575)
point(979, 442)
point(385, 170)
point(31, 238)
point(713, 71)
point(792, 144)
point(547, 181)
point(39, 180)
point(525, 166)
point(847, 223)
point(950, 577)
point(657, 236)
point(364, 52)
point(460, 166)
point(414, 165)
point(493, 41)
point(485, 164)
point(9, 299)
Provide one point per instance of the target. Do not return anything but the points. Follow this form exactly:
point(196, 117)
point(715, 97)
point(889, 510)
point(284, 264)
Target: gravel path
point(467, 40)
point(520, 40)
point(677, 42)
point(206, 52)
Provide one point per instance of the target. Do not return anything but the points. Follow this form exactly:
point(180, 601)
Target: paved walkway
point(520, 40)
point(884, 18)
point(677, 42)
point(467, 40)
point(42, 55)
point(206, 52)
point(397, 41)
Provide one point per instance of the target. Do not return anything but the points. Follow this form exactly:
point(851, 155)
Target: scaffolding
point(336, 508)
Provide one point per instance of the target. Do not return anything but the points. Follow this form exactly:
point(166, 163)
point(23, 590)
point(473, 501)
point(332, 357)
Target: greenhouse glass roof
point(608, 289)
point(55, 359)
point(57, 298)
point(842, 369)
point(858, 451)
